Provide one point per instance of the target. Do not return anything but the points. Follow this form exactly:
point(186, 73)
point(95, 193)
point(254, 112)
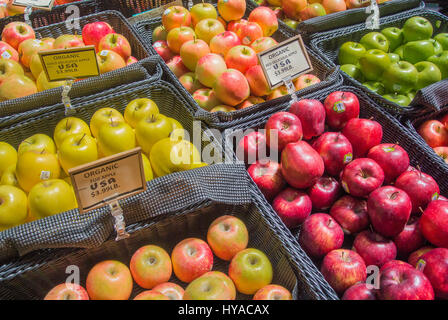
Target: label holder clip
point(69, 110)
point(291, 89)
point(26, 15)
point(119, 225)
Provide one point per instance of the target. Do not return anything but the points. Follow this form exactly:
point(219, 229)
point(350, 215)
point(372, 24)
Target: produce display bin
point(33, 276)
point(70, 229)
point(327, 46)
point(49, 97)
point(132, 7)
point(330, 76)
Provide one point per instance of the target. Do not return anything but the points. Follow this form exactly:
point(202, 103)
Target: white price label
point(39, 4)
point(286, 61)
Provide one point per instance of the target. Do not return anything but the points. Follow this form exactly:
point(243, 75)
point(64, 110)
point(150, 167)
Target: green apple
point(151, 129)
point(442, 38)
point(8, 156)
point(417, 28)
point(353, 71)
point(67, 127)
point(13, 207)
point(411, 95)
point(201, 11)
point(375, 40)
point(76, 150)
point(376, 87)
point(38, 142)
point(437, 46)
point(395, 37)
point(159, 33)
point(250, 270)
point(399, 51)
point(213, 285)
point(416, 51)
point(393, 57)
point(350, 52)
point(293, 24)
point(400, 77)
point(399, 99)
point(441, 61)
point(428, 73)
point(115, 137)
point(139, 109)
point(374, 63)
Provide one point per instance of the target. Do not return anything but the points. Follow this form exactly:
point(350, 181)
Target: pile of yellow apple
point(34, 179)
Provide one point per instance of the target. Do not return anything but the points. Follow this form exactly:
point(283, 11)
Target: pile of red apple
point(21, 71)
point(151, 267)
point(435, 133)
point(213, 53)
point(355, 186)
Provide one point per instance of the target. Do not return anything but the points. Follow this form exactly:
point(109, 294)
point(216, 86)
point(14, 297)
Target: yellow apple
point(9, 177)
point(76, 150)
point(36, 66)
point(115, 137)
point(8, 156)
point(37, 142)
point(67, 127)
point(50, 197)
point(13, 207)
point(43, 84)
point(147, 168)
point(178, 131)
point(152, 129)
point(102, 116)
point(139, 109)
point(8, 68)
point(33, 165)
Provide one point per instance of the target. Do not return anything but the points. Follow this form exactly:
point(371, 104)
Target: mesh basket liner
point(53, 96)
point(431, 98)
point(330, 76)
point(33, 276)
point(69, 229)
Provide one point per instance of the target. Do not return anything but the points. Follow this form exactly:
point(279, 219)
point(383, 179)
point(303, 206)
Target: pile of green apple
point(34, 179)
point(151, 267)
point(396, 63)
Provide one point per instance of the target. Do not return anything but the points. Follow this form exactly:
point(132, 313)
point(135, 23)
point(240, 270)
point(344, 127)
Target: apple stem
point(394, 195)
point(330, 222)
point(421, 210)
point(81, 139)
point(43, 151)
point(66, 126)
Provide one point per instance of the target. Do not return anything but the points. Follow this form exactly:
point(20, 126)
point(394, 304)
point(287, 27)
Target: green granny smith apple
point(350, 52)
point(291, 23)
point(394, 57)
point(395, 37)
point(441, 61)
point(374, 63)
point(411, 95)
point(400, 77)
point(416, 51)
point(375, 40)
point(428, 73)
point(399, 99)
point(442, 38)
point(353, 71)
point(437, 46)
point(399, 51)
point(417, 28)
point(376, 87)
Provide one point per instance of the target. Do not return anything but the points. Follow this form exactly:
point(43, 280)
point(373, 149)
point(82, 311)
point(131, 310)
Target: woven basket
point(330, 78)
point(327, 45)
point(50, 97)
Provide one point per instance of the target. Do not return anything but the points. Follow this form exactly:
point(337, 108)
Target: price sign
point(108, 179)
point(39, 4)
point(285, 61)
point(70, 64)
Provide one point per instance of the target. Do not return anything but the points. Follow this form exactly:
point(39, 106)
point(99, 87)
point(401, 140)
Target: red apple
point(392, 158)
point(209, 68)
point(176, 16)
point(436, 270)
point(8, 52)
point(320, 234)
point(177, 66)
point(235, 25)
point(324, 193)
point(292, 206)
point(277, 93)
point(257, 81)
point(150, 265)
point(341, 107)
point(410, 239)
point(434, 133)
point(312, 115)
point(374, 248)
point(389, 210)
point(231, 9)
point(305, 80)
point(335, 150)
point(292, 8)
point(151, 295)
point(178, 36)
point(403, 283)
point(131, 60)
point(263, 43)
point(282, 128)
point(67, 291)
point(442, 152)
point(223, 42)
point(117, 43)
point(241, 58)
point(359, 291)
point(434, 223)
point(312, 10)
point(266, 19)
point(206, 98)
point(273, 292)
point(159, 33)
point(362, 176)
point(191, 258)
point(420, 187)
point(162, 49)
point(267, 175)
point(109, 61)
point(393, 263)
point(66, 41)
point(190, 82)
point(302, 166)
point(171, 290)
point(93, 32)
point(249, 102)
point(15, 33)
point(251, 147)
point(351, 214)
point(231, 87)
point(415, 256)
point(249, 32)
point(363, 134)
point(343, 268)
